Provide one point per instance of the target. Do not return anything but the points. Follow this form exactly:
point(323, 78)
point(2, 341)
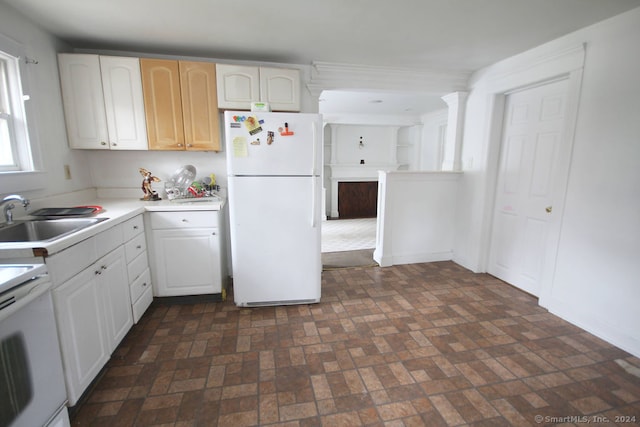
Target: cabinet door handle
point(114, 144)
point(144, 284)
point(103, 143)
point(97, 272)
point(213, 234)
point(135, 227)
point(139, 247)
point(185, 220)
point(103, 267)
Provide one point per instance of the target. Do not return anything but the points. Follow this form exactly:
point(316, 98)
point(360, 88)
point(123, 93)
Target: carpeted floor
point(348, 243)
point(348, 234)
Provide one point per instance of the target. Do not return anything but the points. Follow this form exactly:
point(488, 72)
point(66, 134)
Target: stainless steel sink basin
point(44, 230)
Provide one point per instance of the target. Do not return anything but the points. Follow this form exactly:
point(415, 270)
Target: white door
point(523, 220)
point(124, 104)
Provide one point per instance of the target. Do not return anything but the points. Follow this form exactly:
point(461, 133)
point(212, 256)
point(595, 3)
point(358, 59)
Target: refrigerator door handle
point(314, 174)
point(314, 129)
point(313, 201)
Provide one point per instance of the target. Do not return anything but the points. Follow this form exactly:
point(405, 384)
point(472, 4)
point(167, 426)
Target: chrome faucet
point(8, 206)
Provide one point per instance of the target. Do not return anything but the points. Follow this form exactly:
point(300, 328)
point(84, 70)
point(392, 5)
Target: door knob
point(548, 209)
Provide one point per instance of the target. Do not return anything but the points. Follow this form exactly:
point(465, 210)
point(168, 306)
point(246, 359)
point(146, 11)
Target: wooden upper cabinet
point(181, 105)
point(200, 106)
point(162, 103)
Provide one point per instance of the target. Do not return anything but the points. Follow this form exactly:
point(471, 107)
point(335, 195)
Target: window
point(13, 135)
point(8, 149)
point(18, 167)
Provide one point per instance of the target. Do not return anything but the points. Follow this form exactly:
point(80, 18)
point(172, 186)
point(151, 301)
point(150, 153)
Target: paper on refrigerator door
point(240, 146)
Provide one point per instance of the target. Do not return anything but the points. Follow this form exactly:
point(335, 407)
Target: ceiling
point(367, 103)
point(442, 35)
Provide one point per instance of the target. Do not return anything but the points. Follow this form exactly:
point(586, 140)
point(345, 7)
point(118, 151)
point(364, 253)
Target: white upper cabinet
point(280, 87)
point(239, 85)
point(103, 103)
point(83, 101)
point(124, 104)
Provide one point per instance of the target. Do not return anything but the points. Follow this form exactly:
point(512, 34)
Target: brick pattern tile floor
point(412, 345)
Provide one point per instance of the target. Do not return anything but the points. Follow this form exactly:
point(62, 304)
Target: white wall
point(379, 144)
point(433, 133)
point(596, 283)
point(46, 110)
point(415, 223)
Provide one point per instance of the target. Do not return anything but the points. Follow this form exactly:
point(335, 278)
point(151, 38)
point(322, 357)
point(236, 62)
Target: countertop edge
point(116, 210)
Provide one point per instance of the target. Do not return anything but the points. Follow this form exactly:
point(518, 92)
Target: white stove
point(31, 373)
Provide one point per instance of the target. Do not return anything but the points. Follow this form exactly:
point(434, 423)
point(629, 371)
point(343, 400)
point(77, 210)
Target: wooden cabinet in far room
point(240, 85)
point(181, 105)
point(102, 98)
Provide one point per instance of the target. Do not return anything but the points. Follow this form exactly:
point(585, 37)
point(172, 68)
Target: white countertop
point(116, 210)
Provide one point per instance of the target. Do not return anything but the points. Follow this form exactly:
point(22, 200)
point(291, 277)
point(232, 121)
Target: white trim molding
point(455, 125)
point(327, 75)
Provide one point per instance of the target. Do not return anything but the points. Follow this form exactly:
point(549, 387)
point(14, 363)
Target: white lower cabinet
point(101, 286)
point(93, 311)
point(112, 277)
point(140, 288)
point(186, 253)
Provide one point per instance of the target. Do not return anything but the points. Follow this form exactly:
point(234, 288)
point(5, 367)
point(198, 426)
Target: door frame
point(572, 70)
point(551, 218)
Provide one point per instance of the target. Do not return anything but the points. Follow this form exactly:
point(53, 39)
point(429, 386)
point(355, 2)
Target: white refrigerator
point(273, 166)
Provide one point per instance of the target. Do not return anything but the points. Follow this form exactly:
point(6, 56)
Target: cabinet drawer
point(140, 285)
point(140, 306)
point(108, 240)
point(135, 247)
point(137, 266)
point(71, 261)
point(133, 227)
point(187, 219)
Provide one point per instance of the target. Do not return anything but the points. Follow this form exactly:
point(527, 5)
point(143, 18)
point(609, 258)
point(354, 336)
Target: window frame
point(11, 111)
point(28, 174)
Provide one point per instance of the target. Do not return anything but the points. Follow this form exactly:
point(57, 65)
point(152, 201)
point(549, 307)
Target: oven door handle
point(34, 293)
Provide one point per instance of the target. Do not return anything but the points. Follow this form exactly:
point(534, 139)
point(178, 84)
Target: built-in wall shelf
point(357, 153)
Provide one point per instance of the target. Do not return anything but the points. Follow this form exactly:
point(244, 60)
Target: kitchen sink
point(44, 230)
